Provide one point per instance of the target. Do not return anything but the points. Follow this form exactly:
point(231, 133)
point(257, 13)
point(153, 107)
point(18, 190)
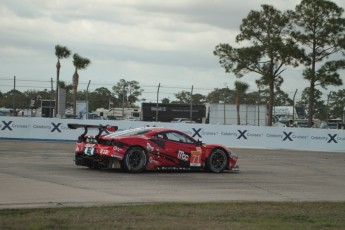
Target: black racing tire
point(135, 160)
point(217, 161)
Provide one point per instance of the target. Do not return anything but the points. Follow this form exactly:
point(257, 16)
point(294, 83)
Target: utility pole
point(57, 89)
point(123, 101)
point(159, 85)
point(87, 101)
point(51, 114)
point(327, 115)
point(13, 96)
point(293, 107)
point(259, 93)
point(191, 104)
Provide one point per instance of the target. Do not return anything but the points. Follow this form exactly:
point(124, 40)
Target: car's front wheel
point(135, 160)
point(217, 161)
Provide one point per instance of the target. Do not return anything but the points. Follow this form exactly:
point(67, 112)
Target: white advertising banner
point(309, 139)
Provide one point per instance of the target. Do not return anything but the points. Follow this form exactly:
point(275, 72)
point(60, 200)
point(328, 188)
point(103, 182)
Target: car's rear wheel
point(135, 160)
point(217, 161)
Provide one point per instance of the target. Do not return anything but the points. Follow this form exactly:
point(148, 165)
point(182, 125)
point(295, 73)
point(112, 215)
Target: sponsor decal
point(341, 138)
point(41, 126)
point(242, 134)
point(153, 161)
point(197, 133)
point(319, 138)
point(10, 126)
point(274, 135)
point(104, 151)
point(56, 127)
point(332, 138)
point(182, 156)
point(116, 149)
point(149, 147)
point(229, 134)
point(7, 125)
point(254, 135)
point(209, 133)
point(287, 136)
point(195, 157)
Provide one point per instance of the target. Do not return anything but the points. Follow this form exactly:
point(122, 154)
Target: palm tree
point(240, 88)
point(60, 52)
point(79, 64)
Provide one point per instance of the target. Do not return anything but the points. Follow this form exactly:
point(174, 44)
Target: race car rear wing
point(101, 129)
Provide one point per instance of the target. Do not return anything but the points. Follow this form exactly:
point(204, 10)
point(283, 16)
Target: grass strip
point(220, 215)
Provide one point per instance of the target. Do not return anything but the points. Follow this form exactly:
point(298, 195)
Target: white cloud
point(168, 42)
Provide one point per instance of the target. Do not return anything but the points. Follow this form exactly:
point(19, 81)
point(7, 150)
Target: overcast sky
point(168, 42)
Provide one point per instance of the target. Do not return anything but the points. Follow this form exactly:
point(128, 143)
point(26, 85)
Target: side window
point(159, 136)
point(179, 137)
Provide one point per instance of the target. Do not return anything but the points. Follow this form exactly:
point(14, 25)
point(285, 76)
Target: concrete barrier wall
point(52, 129)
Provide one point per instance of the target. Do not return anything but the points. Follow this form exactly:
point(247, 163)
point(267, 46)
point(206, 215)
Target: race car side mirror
point(199, 143)
point(112, 128)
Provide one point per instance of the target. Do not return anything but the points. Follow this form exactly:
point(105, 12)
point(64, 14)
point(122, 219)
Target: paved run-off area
point(43, 174)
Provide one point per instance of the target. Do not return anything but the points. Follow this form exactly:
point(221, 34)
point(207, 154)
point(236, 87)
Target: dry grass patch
point(226, 215)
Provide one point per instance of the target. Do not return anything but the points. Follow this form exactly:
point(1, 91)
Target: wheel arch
point(126, 164)
point(134, 146)
point(207, 166)
point(215, 148)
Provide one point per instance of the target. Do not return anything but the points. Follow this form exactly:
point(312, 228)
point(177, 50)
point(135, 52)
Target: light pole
point(327, 115)
point(123, 101)
point(87, 101)
point(191, 105)
point(159, 85)
point(293, 107)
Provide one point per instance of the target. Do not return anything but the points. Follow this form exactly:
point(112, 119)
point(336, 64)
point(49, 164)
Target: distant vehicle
point(302, 123)
point(181, 120)
point(131, 119)
point(100, 118)
point(6, 112)
point(332, 124)
point(111, 118)
point(149, 148)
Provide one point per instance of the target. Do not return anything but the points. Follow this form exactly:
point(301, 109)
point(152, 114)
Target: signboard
point(308, 139)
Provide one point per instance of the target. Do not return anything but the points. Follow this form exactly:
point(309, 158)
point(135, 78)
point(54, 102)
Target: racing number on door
point(195, 158)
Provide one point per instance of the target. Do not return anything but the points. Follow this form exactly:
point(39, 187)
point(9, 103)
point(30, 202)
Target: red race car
point(149, 148)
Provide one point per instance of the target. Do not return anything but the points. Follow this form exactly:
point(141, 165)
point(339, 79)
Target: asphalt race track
point(43, 174)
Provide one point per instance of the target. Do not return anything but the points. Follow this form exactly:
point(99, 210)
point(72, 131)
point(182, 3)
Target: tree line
point(127, 94)
point(312, 35)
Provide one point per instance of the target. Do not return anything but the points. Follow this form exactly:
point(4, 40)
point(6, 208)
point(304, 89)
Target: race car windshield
point(129, 132)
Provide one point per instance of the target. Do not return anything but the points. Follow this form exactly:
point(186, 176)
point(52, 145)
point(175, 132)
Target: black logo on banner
point(56, 127)
point(7, 125)
point(287, 136)
point(332, 138)
point(196, 133)
point(242, 134)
